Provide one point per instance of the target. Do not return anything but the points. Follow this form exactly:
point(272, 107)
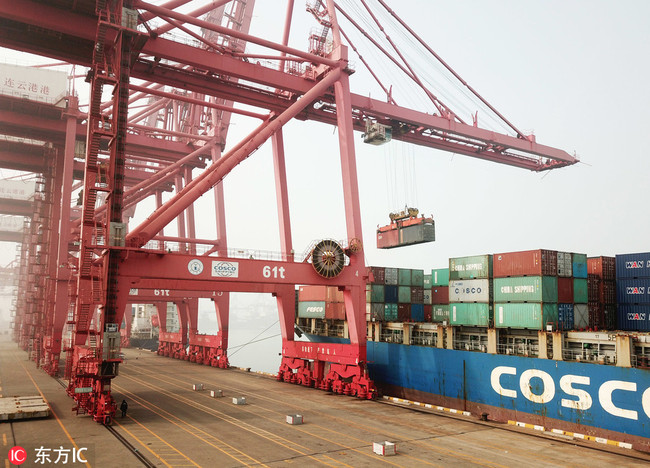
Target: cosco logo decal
point(225, 269)
point(195, 266)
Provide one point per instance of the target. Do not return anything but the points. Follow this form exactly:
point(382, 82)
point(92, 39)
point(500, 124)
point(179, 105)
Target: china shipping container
point(633, 291)
point(635, 265)
point(476, 290)
point(564, 265)
point(531, 315)
point(470, 314)
point(527, 263)
point(391, 293)
point(580, 291)
point(440, 277)
point(417, 312)
point(634, 317)
point(565, 290)
point(565, 316)
point(311, 309)
point(391, 276)
point(378, 275)
point(579, 264)
point(581, 316)
point(440, 295)
point(390, 312)
point(473, 267)
point(526, 289)
point(604, 267)
point(440, 313)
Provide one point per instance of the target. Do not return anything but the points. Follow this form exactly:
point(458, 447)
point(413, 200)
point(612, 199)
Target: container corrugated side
point(311, 309)
point(580, 316)
point(403, 312)
point(476, 290)
point(634, 317)
point(404, 277)
point(417, 234)
point(579, 263)
point(404, 294)
point(564, 265)
point(526, 263)
point(526, 289)
point(565, 290)
point(417, 312)
point(417, 278)
point(375, 311)
point(378, 275)
point(427, 297)
point(472, 267)
point(440, 277)
point(417, 295)
point(375, 293)
point(531, 315)
point(391, 275)
point(440, 313)
point(565, 316)
point(580, 290)
point(427, 312)
point(426, 281)
point(633, 291)
point(635, 265)
point(470, 314)
point(390, 312)
point(604, 267)
point(440, 295)
point(390, 293)
point(335, 310)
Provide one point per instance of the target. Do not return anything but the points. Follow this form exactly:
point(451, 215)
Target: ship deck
point(170, 424)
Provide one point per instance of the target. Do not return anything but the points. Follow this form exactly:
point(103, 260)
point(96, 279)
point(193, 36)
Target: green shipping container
point(390, 312)
point(440, 277)
point(404, 294)
point(440, 313)
point(417, 278)
point(525, 289)
point(471, 314)
point(374, 293)
point(404, 277)
point(580, 291)
point(475, 267)
point(532, 315)
point(311, 309)
point(426, 281)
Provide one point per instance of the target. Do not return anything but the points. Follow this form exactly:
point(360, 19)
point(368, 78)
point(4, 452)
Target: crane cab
point(376, 133)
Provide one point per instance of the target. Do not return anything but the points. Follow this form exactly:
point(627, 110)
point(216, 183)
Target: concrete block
point(216, 393)
point(384, 448)
point(294, 419)
point(239, 400)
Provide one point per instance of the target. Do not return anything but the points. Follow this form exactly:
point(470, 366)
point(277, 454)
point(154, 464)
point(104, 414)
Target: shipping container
point(633, 265)
point(404, 277)
point(579, 262)
point(417, 312)
point(580, 290)
point(335, 310)
point(311, 309)
point(403, 312)
point(474, 267)
point(417, 295)
point(417, 234)
point(376, 311)
point(564, 289)
point(565, 316)
point(440, 295)
point(604, 267)
point(600, 290)
point(391, 293)
point(564, 266)
point(476, 290)
point(470, 314)
point(378, 275)
point(526, 289)
point(610, 315)
point(387, 239)
point(634, 317)
point(633, 291)
point(440, 313)
point(375, 293)
point(320, 293)
point(440, 277)
point(526, 263)
point(428, 312)
point(426, 281)
point(417, 278)
point(426, 294)
point(580, 316)
point(390, 312)
point(531, 315)
point(404, 294)
point(596, 315)
point(391, 275)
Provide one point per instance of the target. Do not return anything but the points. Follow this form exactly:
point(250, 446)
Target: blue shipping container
point(634, 317)
point(390, 293)
point(633, 265)
point(565, 316)
point(633, 291)
point(417, 312)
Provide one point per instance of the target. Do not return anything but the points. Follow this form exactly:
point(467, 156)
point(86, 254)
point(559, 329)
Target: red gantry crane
point(172, 96)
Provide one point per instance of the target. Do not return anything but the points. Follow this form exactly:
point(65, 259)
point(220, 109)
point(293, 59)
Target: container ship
point(541, 337)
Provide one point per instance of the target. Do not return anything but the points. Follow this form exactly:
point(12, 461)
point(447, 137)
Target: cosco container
point(376, 311)
point(440, 277)
point(633, 265)
point(580, 290)
point(565, 316)
point(390, 312)
point(404, 277)
point(391, 276)
point(417, 278)
point(378, 275)
point(634, 317)
point(526, 263)
point(564, 267)
point(311, 309)
point(475, 267)
point(526, 289)
point(404, 294)
point(579, 262)
point(390, 293)
point(531, 315)
point(565, 290)
point(633, 291)
point(470, 314)
point(605, 267)
point(375, 293)
point(417, 312)
point(476, 290)
point(440, 295)
point(580, 316)
point(440, 313)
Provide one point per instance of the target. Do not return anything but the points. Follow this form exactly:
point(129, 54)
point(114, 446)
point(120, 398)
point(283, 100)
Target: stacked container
point(470, 291)
point(526, 289)
point(376, 295)
point(580, 291)
point(440, 295)
point(602, 293)
point(321, 302)
point(633, 291)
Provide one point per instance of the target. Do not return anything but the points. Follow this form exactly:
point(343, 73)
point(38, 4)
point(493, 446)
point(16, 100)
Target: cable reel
point(328, 258)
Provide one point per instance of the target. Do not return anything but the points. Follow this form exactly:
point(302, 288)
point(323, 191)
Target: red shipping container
point(564, 290)
point(320, 294)
point(604, 267)
point(387, 239)
point(607, 292)
point(428, 313)
point(440, 295)
point(593, 286)
point(596, 315)
point(527, 263)
point(335, 310)
point(417, 295)
point(378, 275)
point(404, 312)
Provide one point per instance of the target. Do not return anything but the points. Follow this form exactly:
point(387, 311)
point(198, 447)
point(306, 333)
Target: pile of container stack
point(633, 291)
point(395, 295)
point(320, 302)
point(439, 295)
point(602, 293)
point(580, 291)
point(470, 291)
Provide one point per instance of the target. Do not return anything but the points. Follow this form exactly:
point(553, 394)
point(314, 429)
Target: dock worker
point(124, 406)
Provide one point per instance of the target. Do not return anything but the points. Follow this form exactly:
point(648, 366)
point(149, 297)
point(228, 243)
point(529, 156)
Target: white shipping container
point(34, 84)
point(391, 276)
point(564, 264)
point(475, 290)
